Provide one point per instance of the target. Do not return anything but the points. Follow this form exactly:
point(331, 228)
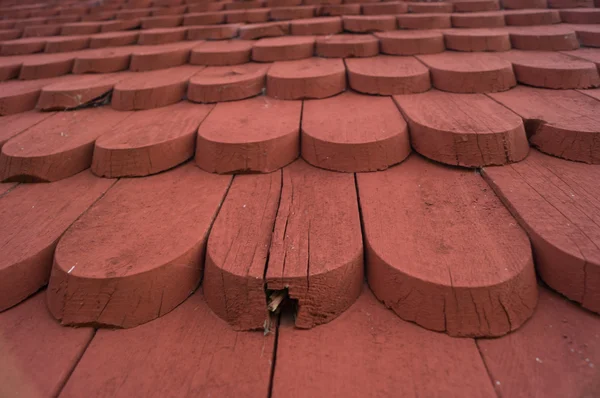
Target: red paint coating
point(316, 250)
point(114, 39)
point(220, 53)
point(424, 21)
point(62, 44)
point(120, 24)
point(389, 358)
point(337, 9)
point(543, 38)
point(316, 26)
point(587, 54)
point(588, 35)
point(291, 13)
point(206, 6)
point(492, 19)
point(104, 60)
point(132, 14)
point(22, 46)
point(571, 3)
point(429, 7)
point(388, 75)
point(531, 17)
point(562, 123)
point(10, 67)
point(477, 40)
point(247, 16)
point(352, 132)
point(41, 30)
point(10, 34)
point(283, 3)
point(552, 70)
point(161, 22)
point(524, 4)
point(432, 276)
point(37, 354)
point(34, 216)
point(41, 66)
point(306, 78)
point(555, 201)
point(17, 123)
point(80, 28)
point(463, 129)
point(283, 48)
point(203, 18)
point(147, 90)
point(137, 253)
point(6, 187)
point(200, 352)
point(369, 23)
point(411, 42)
point(219, 32)
point(148, 142)
point(58, 147)
point(259, 134)
point(594, 93)
point(473, 6)
point(469, 72)
point(77, 92)
point(21, 96)
point(580, 16)
point(555, 354)
point(244, 5)
point(173, 8)
point(147, 58)
point(347, 45)
point(162, 36)
point(266, 29)
point(227, 83)
point(237, 251)
point(386, 8)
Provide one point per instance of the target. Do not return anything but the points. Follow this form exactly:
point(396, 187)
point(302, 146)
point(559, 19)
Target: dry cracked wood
point(33, 218)
point(556, 201)
point(150, 141)
point(443, 252)
point(352, 132)
point(259, 134)
point(137, 253)
point(463, 129)
point(388, 75)
point(316, 250)
point(469, 72)
point(238, 248)
point(550, 69)
point(563, 123)
point(57, 147)
point(83, 90)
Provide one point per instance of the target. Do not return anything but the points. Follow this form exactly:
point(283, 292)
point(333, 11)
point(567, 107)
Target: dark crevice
point(267, 291)
point(102, 100)
point(278, 318)
point(210, 227)
point(279, 301)
point(9, 190)
point(487, 370)
point(77, 360)
point(362, 226)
